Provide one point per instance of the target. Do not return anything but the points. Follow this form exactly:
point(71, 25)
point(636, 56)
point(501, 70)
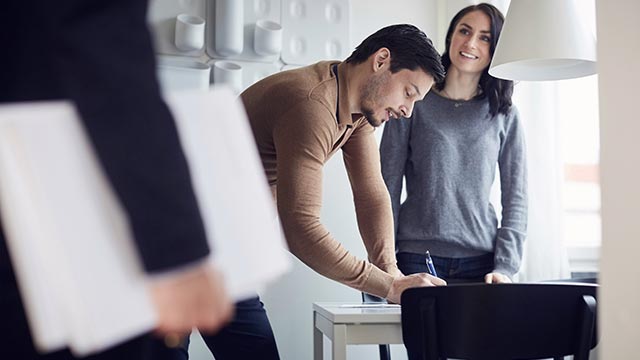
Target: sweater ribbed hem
point(378, 283)
point(439, 248)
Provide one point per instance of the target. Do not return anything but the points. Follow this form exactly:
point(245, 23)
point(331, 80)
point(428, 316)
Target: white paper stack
point(69, 238)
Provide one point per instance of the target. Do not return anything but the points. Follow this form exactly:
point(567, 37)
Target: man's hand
point(402, 283)
point(496, 278)
point(192, 299)
point(394, 271)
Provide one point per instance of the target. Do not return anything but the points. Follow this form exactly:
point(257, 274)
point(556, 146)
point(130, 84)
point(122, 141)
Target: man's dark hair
point(410, 49)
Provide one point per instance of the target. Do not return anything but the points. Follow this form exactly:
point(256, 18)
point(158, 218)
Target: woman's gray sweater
point(447, 152)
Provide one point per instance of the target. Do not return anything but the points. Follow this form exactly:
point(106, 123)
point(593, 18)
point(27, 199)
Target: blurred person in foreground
point(97, 54)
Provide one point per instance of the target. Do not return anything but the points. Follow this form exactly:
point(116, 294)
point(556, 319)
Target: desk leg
point(318, 339)
point(339, 342)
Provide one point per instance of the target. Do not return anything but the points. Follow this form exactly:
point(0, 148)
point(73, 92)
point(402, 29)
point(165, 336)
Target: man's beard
point(368, 114)
point(370, 94)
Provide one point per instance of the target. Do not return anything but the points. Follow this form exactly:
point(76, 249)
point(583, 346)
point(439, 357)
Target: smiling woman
point(448, 151)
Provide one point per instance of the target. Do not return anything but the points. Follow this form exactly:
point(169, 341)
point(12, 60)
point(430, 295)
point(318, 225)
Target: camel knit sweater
point(300, 118)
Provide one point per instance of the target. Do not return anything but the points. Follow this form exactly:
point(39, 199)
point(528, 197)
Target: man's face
point(388, 96)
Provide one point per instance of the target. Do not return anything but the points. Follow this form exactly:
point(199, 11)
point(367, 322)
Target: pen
point(430, 267)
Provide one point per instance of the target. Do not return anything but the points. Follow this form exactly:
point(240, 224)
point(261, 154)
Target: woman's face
point(470, 43)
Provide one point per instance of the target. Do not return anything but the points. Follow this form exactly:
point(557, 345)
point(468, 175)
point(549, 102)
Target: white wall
point(289, 300)
point(369, 16)
point(618, 52)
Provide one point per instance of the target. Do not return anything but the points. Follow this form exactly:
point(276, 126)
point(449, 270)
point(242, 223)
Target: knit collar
point(344, 115)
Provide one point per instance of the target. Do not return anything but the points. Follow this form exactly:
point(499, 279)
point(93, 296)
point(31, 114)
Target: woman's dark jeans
point(452, 270)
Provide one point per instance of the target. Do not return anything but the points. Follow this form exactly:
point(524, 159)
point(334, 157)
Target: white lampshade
point(544, 40)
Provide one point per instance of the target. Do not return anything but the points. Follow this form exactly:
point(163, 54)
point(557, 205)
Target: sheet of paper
point(78, 270)
point(233, 194)
point(369, 306)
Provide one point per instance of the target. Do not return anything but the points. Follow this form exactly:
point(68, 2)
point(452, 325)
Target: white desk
point(354, 323)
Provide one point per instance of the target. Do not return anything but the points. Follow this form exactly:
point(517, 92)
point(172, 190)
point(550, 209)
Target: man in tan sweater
point(300, 118)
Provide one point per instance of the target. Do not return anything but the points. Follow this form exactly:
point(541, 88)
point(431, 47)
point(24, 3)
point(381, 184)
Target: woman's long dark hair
point(497, 90)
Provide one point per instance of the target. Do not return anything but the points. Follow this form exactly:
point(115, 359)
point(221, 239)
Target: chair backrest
point(499, 321)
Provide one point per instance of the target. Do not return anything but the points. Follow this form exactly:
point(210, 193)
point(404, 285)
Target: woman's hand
point(496, 278)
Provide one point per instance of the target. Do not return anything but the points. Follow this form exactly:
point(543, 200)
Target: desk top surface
point(358, 312)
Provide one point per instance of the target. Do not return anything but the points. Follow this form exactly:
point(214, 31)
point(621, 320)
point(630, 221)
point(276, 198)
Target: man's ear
point(381, 58)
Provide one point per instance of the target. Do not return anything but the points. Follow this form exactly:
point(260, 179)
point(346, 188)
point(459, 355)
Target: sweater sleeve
point(394, 151)
point(303, 139)
point(513, 179)
point(373, 208)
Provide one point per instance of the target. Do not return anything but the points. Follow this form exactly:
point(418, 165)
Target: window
point(578, 111)
point(580, 134)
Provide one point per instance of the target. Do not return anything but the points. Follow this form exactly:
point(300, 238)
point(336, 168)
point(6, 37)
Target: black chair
point(385, 350)
point(500, 321)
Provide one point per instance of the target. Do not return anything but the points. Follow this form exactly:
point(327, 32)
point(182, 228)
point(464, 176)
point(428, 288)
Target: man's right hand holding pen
point(401, 283)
